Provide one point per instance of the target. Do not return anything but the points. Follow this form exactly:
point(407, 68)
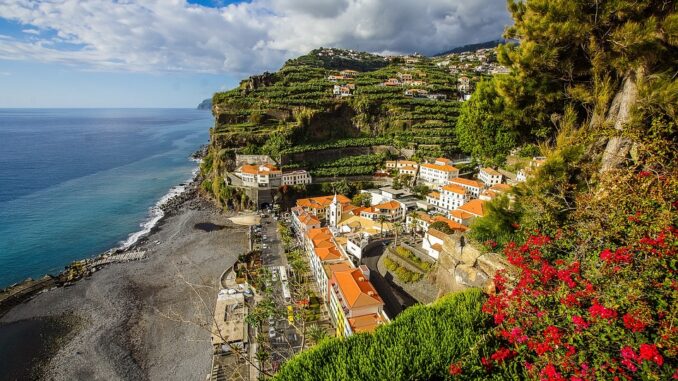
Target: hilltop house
point(342, 91)
point(464, 85)
point(416, 93)
point(392, 82)
point(489, 176)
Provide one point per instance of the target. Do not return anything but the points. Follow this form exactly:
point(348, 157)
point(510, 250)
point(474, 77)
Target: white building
point(489, 176)
point(437, 174)
point(472, 187)
point(452, 197)
point(433, 243)
point(262, 176)
point(297, 177)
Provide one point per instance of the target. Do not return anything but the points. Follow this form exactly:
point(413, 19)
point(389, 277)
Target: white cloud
point(249, 37)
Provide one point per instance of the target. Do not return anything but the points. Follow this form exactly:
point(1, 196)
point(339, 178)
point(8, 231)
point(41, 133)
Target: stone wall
point(461, 267)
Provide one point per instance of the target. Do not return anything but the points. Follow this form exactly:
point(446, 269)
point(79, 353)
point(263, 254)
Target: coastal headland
point(146, 318)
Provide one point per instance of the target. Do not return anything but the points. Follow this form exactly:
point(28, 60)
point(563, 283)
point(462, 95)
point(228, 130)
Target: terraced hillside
point(294, 116)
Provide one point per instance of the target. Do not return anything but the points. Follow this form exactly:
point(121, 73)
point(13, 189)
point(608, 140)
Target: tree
point(421, 191)
point(441, 226)
point(317, 333)
point(381, 220)
point(397, 228)
point(362, 199)
point(486, 128)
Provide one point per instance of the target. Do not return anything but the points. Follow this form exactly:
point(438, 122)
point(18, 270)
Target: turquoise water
point(74, 183)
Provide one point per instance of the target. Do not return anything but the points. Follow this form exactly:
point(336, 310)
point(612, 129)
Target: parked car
point(271, 332)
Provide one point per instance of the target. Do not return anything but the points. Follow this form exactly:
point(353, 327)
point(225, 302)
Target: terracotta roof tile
point(356, 289)
point(443, 168)
point(454, 189)
point(475, 207)
point(467, 182)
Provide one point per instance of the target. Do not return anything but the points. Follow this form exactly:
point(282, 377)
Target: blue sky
point(174, 53)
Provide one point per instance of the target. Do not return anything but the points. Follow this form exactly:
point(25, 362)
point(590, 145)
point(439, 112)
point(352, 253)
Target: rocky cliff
point(462, 266)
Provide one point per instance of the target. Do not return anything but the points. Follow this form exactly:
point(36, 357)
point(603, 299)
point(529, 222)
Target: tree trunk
point(619, 114)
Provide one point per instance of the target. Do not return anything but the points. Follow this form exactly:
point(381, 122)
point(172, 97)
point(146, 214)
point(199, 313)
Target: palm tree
point(397, 227)
point(381, 220)
point(316, 333)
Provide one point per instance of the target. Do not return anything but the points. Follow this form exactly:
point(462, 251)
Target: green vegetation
point(418, 345)
point(401, 272)
point(441, 226)
point(412, 259)
point(292, 114)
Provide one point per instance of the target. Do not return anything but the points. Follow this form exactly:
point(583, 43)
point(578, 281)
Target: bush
point(613, 315)
point(416, 345)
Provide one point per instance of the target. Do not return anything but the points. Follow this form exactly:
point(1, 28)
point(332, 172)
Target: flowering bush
point(610, 316)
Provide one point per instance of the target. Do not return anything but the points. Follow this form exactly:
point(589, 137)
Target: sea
point(77, 182)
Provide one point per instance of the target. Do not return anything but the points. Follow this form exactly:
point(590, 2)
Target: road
point(395, 299)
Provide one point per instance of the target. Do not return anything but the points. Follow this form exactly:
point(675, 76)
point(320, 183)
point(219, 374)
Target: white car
point(271, 332)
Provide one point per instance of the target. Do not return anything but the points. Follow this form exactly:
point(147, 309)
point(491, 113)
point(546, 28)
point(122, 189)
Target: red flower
point(628, 353)
point(502, 354)
point(580, 322)
point(598, 310)
point(649, 352)
point(499, 318)
point(642, 174)
point(571, 350)
point(550, 373)
point(455, 369)
point(486, 363)
point(633, 324)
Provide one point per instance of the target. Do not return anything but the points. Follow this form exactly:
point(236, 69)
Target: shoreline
point(168, 204)
point(131, 318)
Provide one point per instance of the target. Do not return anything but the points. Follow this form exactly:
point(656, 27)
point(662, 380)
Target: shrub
point(416, 345)
point(613, 315)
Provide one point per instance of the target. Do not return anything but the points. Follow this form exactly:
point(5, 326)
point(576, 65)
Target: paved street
point(395, 299)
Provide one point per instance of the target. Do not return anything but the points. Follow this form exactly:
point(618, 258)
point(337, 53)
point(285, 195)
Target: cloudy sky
point(173, 53)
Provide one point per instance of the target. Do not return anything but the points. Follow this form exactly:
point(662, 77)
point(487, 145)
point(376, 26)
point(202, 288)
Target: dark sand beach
point(142, 320)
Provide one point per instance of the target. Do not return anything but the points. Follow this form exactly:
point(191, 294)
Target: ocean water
point(77, 182)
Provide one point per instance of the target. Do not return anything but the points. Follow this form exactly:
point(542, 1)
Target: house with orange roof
point(489, 176)
point(494, 191)
point(472, 187)
point(461, 217)
point(393, 210)
point(399, 164)
point(329, 268)
point(318, 206)
point(303, 221)
point(474, 207)
point(408, 170)
point(452, 196)
point(437, 174)
point(260, 176)
point(421, 221)
point(322, 250)
point(355, 305)
point(392, 82)
point(433, 198)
